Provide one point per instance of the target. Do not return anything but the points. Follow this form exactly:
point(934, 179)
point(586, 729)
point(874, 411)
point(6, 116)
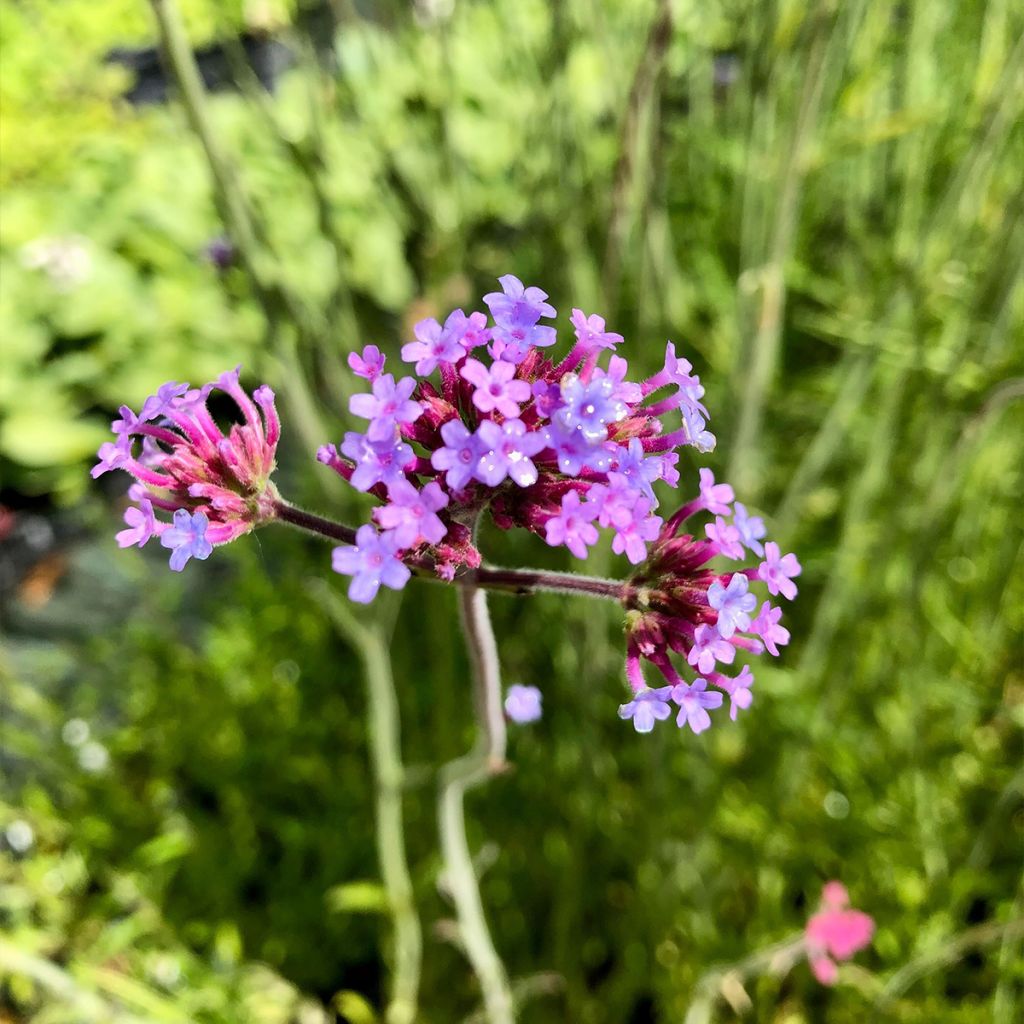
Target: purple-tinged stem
point(519, 582)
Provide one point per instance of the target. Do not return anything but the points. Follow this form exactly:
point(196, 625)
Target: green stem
point(459, 776)
point(388, 772)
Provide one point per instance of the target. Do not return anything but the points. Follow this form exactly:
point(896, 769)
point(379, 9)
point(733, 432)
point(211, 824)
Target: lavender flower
point(459, 456)
point(726, 537)
point(767, 627)
point(369, 365)
point(507, 450)
point(371, 563)
point(388, 406)
point(715, 497)
point(411, 514)
point(516, 311)
point(523, 704)
point(141, 524)
point(740, 697)
point(187, 538)
point(750, 528)
point(778, 573)
point(709, 646)
point(647, 707)
point(733, 604)
point(694, 699)
point(573, 526)
point(590, 332)
point(375, 464)
point(436, 344)
point(495, 388)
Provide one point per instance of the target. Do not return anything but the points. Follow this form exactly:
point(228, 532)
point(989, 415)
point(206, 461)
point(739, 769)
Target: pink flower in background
point(835, 933)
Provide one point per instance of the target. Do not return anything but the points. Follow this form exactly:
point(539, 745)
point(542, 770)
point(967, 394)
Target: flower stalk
point(459, 776)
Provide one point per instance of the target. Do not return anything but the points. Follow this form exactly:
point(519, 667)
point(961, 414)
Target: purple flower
point(613, 502)
point(588, 408)
point(767, 627)
point(522, 704)
point(141, 525)
point(624, 390)
point(112, 454)
point(573, 526)
point(187, 538)
point(436, 344)
point(495, 387)
point(778, 573)
point(516, 304)
point(590, 332)
point(647, 707)
point(410, 514)
point(733, 604)
point(547, 396)
point(369, 365)
point(160, 404)
point(694, 425)
point(375, 463)
point(574, 452)
point(750, 528)
point(373, 561)
point(459, 456)
point(694, 700)
point(633, 528)
point(740, 697)
point(726, 537)
point(639, 471)
point(128, 422)
point(470, 331)
point(516, 311)
point(709, 647)
point(677, 371)
point(387, 406)
point(715, 497)
point(507, 450)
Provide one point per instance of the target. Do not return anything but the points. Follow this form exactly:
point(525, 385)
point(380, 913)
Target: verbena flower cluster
point(215, 486)
point(564, 448)
point(488, 419)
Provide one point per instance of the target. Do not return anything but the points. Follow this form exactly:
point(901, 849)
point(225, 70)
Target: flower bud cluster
point(215, 485)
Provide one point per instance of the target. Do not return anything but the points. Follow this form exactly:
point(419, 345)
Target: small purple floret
point(410, 514)
point(371, 563)
point(647, 707)
point(573, 526)
point(733, 604)
point(369, 365)
point(523, 704)
point(495, 387)
point(778, 573)
point(186, 538)
point(709, 647)
point(767, 627)
point(694, 699)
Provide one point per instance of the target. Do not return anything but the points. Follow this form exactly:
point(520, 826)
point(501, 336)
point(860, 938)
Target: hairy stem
point(518, 582)
point(388, 773)
point(459, 776)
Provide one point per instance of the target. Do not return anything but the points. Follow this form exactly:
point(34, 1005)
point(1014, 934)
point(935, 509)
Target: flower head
point(215, 481)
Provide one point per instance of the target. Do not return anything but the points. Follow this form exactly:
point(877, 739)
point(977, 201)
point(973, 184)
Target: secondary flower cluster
point(215, 485)
point(562, 448)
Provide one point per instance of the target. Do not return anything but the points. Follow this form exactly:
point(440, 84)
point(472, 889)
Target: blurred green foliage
point(824, 206)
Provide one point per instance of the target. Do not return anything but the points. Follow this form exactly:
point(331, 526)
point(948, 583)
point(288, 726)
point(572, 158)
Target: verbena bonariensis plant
point(489, 421)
